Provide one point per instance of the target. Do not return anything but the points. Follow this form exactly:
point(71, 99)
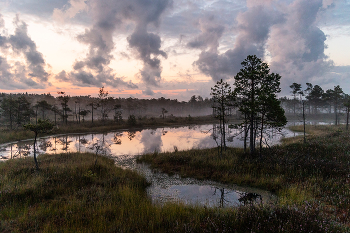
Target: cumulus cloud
point(87, 79)
point(297, 46)
point(148, 45)
point(62, 76)
point(284, 33)
point(28, 74)
point(108, 16)
point(253, 27)
point(209, 38)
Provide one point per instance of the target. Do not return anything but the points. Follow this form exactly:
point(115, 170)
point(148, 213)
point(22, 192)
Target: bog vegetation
point(71, 194)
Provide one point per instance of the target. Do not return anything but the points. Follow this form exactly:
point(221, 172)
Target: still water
point(125, 146)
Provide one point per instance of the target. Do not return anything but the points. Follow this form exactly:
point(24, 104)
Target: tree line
point(317, 101)
point(19, 109)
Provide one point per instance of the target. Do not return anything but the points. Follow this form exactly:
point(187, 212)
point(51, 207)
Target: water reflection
point(166, 188)
point(124, 146)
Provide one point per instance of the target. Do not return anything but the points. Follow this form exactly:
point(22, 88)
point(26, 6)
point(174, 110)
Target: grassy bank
point(315, 173)
point(70, 194)
point(99, 126)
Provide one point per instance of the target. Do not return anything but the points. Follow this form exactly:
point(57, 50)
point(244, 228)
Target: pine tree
point(256, 88)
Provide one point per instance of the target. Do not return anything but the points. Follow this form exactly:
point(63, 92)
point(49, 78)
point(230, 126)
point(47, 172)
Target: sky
point(169, 48)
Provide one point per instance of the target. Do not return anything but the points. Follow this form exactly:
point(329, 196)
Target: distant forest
point(21, 108)
point(18, 109)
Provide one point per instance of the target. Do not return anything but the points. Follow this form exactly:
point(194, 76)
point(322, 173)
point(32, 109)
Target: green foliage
point(164, 111)
point(315, 97)
point(296, 89)
point(131, 120)
point(118, 113)
point(255, 89)
point(42, 126)
point(223, 102)
point(335, 96)
point(44, 106)
point(189, 118)
point(103, 102)
point(16, 111)
point(84, 113)
point(64, 103)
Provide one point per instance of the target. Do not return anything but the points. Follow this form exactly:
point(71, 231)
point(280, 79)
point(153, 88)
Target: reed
point(70, 194)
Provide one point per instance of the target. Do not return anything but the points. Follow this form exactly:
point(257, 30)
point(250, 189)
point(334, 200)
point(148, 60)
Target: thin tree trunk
point(304, 121)
point(223, 126)
point(245, 137)
point(221, 136)
point(36, 115)
point(92, 113)
point(261, 133)
point(252, 139)
point(35, 160)
point(347, 118)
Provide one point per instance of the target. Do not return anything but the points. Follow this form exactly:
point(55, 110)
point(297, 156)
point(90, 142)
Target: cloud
point(286, 34)
point(253, 27)
point(32, 73)
point(297, 46)
point(108, 16)
point(253, 3)
point(39, 8)
point(22, 43)
point(2, 21)
point(75, 6)
point(209, 38)
point(87, 79)
point(148, 45)
point(148, 92)
point(62, 76)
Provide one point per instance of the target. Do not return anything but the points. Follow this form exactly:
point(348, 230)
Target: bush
point(132, 120)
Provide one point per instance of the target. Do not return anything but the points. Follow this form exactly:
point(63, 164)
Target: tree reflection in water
point(65, 143)
point(131, 142)
point(131, 135)
point(222, 201)
point(250, 198)
point(84, 141)
point(117, 138)
point(100, 147)
point(44, 145)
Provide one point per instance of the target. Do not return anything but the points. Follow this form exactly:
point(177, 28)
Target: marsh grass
point(70, 194)
point(313, 172)
point(15, 135)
